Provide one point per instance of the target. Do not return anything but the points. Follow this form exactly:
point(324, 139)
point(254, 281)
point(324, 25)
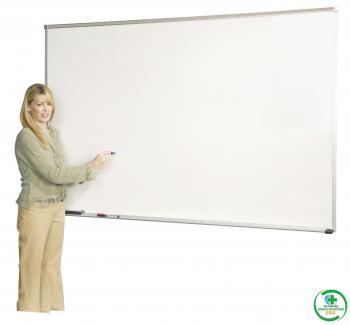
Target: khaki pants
point(40, 244)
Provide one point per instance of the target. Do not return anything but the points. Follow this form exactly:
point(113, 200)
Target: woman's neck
point(43, 126)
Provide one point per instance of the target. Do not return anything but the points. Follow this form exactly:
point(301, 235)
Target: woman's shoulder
point(24, 136)
point(25, 131)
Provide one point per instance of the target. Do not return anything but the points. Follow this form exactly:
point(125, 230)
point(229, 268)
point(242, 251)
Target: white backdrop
point(134, 272)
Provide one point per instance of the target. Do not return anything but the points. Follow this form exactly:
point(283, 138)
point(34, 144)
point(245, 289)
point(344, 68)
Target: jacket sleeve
point(32, 153)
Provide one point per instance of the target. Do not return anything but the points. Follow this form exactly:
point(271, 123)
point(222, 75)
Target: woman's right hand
point(100, 160)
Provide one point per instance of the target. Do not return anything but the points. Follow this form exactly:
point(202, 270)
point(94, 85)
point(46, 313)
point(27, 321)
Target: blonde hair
point(26, 117)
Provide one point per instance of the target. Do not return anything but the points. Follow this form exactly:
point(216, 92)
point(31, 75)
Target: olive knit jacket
point(44, 173)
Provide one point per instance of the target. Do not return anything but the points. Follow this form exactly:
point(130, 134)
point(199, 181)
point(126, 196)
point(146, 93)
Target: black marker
point(113, 152)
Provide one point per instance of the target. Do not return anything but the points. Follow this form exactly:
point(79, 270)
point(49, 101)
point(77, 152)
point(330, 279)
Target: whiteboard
point(223, 120)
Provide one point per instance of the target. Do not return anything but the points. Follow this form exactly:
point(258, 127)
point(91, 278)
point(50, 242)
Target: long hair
point(26, 117)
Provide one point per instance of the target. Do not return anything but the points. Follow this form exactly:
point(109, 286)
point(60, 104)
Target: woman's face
point(41, 110)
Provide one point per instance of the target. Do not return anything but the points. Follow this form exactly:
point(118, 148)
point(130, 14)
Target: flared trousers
point(40, 242)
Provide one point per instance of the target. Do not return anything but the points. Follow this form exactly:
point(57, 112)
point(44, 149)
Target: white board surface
point(219, 120)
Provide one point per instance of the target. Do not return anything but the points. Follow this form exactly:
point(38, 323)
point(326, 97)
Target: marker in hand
point(113, 152)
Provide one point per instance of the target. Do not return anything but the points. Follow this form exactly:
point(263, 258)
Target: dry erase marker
point(101, 214)
point(113, 152)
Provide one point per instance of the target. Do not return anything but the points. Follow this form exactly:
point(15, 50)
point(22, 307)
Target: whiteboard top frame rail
point(160, 20)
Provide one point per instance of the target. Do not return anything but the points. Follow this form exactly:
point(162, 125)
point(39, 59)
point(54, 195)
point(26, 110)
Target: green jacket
point(44, 173)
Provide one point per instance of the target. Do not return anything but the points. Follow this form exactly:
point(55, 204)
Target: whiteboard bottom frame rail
point(200, 222)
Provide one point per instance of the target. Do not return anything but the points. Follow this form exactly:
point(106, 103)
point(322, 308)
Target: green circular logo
point(330, 305)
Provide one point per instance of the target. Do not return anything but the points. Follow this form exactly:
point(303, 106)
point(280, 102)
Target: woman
point(41, 211)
